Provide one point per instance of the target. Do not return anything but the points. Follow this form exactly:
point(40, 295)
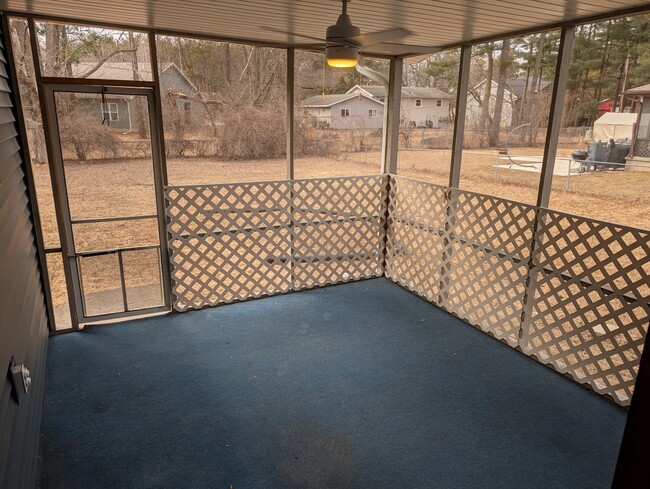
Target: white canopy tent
point(614, 125)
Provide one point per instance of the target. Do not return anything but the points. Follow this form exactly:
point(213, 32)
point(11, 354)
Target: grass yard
point(125, 188)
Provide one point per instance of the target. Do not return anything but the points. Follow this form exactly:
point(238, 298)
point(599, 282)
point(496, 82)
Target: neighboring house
point(476, 96)
point(520, 89)
point(420, 107)
point(518, 86)
point(119, 110)
point(641, 106)
point(345, 111)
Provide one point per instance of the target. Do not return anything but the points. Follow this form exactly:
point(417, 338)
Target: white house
point(475, 97)
point(421, 107)
point(346, 110)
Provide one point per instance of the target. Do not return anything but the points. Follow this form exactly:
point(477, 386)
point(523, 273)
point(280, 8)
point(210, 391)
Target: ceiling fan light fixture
point(342, 56)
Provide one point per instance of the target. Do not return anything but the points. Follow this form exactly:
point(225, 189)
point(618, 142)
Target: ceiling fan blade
point(396, 49)
point(295, 34)
point(310, 47)
point(378, 37)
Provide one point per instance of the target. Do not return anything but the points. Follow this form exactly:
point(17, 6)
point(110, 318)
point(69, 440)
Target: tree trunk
point(226, 61)
point(52, 64)
point(603, 64)
point(487, 91)
point(533, 88)
point(501, 86)
point(28, 91)
point(139, 109)
point(524, 98)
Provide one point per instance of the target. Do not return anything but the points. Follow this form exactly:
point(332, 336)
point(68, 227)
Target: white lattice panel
point(642, 148)
point(486, 262)
point(590, 289)
point(237, 241)
point(339, 227)
point(228, 242)
point(416, 235)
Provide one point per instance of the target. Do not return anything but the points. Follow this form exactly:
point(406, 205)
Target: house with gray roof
point(519, 86)
point(345, 110)
point(119, 110)
point(475, 103)
point(420, 107)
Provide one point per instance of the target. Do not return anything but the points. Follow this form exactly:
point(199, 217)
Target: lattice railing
point(572, 292)
point(466, 252)
point(486, 262)
point(642, 148)
point(339, 230)
point(232, 242)
point(590, 295)
point(416, 236)
point(228, 242)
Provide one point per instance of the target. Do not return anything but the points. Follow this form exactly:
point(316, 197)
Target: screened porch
point(228, 263)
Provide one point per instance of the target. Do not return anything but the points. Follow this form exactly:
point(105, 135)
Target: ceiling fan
point(344, 41)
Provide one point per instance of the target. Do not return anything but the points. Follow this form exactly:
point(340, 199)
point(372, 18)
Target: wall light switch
point(20, 378)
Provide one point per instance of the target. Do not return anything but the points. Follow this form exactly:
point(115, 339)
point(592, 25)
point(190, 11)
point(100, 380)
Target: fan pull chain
point(323, 92)
point(359, 84)
point(105, 109)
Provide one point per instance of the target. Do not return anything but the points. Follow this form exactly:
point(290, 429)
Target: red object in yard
point(605, 106)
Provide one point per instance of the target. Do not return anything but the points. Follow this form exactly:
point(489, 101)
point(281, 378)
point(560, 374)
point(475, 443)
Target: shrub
point(84, 136)
point(251, 132)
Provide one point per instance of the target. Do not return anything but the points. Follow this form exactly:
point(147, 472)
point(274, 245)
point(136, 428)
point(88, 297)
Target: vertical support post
point(48, 114)
point(291, 52)
point(291, 57)
point(459, 120)
point(392, 110)
point(157, 129)
point(386, 203)
point(157, 102)
point(454, 173)
point(29, 176)
point(555, 115)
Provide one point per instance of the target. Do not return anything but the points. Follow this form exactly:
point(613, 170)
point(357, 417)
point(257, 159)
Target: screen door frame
point(72, 258)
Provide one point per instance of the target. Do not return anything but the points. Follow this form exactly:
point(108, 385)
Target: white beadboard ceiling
point(433, 23)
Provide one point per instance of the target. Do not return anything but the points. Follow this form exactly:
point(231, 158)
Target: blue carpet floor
point(361, 385)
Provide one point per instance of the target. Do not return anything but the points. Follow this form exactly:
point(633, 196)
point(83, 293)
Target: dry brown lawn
point(124, 188)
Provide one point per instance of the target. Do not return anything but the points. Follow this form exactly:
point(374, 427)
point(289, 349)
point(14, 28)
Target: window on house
point(418, 102)
point(438, 103)
point(345, 112)
point(109, 112)
point(372, 112)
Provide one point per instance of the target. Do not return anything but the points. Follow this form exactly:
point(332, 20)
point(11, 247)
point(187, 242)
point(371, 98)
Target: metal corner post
point(291, 52)
point(392, 108)
point(160, 166)
point(555, 115)
point(459, 119)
